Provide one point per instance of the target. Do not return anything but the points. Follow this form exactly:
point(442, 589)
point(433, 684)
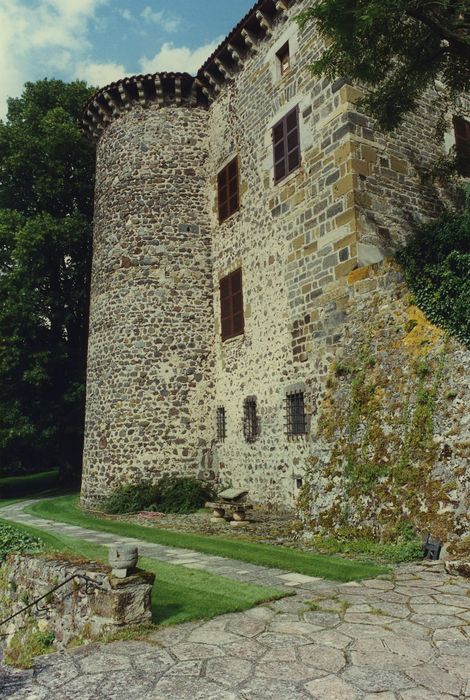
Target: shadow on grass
point(39, 485)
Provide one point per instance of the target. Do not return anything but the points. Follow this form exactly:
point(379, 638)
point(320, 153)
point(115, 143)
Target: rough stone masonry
point(158, 369)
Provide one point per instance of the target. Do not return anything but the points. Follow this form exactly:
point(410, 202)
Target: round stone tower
point(149, 379)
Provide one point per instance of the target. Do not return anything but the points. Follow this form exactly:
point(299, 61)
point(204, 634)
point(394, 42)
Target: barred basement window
point(295, 413)
point(462, 144)
point(250, 419)
point(232, 320)
point(221, 426)
point(286, 145)
point(228, 190)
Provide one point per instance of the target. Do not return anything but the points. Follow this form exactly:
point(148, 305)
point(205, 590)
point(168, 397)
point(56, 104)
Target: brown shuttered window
point(462, 144)
point(231, 305)
point(228, 190)
point(286, 145)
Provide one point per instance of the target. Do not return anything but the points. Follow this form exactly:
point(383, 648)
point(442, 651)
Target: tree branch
point(459, 45)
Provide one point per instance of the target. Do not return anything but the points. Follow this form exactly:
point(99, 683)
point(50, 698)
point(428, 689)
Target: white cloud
point(99, 74)
point(178, 58)
point(50, 35)
point(168, 22)
point(127, 15)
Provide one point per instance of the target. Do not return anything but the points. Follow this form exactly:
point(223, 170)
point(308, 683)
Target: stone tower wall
point(151, 336)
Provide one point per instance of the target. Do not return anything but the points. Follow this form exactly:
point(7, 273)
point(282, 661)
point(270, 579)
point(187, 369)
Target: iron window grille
point(250, 420)
point(232, 320)
point(295, 414)
point(228, 190)
point(286, 145)
point(221, 424)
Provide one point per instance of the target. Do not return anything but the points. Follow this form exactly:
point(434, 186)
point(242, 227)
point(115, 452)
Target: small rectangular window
point(462, 144)
point(283, 56)
point(221, 425)
point(250, 420)
point(228, 190)
point(286, 145)
point(295, 414)
point(232, 319)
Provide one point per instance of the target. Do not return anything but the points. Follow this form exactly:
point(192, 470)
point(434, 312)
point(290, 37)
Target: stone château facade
point(258, 191)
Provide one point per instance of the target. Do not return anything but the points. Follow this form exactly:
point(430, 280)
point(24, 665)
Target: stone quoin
point(242, 221)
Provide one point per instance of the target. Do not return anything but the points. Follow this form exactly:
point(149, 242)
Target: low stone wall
point(77, 610)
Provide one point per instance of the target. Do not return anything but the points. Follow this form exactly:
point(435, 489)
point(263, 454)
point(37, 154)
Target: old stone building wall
point(391, 428)
point(351, 202)
point(150, 347)
point(304, 246)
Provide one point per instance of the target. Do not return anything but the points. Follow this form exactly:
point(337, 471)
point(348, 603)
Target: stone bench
point(230, 501)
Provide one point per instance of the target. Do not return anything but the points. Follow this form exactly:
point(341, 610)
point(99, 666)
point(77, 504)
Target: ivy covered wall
point(391, 449)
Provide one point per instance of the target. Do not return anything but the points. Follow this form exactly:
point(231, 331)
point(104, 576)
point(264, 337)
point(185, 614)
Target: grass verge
point(393, 552)
point(179, 594)
point(64, 509)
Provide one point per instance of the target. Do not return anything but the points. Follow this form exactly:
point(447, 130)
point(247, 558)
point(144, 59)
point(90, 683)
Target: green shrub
point(181, 494)
point(131, 498)
point(168, 495)
point(12, 540)
point(436, 266)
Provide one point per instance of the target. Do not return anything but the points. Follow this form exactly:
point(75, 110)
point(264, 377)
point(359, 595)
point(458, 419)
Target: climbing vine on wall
point(436, 265)
point(376, 436)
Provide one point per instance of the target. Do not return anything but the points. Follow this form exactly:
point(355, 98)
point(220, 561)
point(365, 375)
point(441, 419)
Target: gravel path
point(401, 639)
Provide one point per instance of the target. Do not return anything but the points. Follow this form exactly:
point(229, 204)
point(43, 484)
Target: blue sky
point(102, 40)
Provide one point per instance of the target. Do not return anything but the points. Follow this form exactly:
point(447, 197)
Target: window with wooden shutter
point(228, 190)
point(286, 145)
point(231, 305)
point(462, 144)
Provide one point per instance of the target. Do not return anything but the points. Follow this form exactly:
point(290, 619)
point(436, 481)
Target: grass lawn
point(64, 509)
point(179, 594)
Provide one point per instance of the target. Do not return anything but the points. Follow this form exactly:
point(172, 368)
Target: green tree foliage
point(397, 48)
point(46, 202)
point(436, 264)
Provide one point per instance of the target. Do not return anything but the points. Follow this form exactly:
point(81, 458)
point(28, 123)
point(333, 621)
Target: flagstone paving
point(407, 638)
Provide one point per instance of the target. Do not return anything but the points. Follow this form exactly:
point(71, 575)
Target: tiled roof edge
point(183, 89)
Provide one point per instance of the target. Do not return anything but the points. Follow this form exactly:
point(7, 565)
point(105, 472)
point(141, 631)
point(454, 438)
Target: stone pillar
point(149, 381)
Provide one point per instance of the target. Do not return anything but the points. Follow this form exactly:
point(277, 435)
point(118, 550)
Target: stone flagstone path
point(401, 639)
point(240, 571)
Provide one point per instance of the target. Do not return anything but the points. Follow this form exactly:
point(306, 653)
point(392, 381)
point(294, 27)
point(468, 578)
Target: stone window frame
point(251, 423)
point(290, 35)
point(232, 313)
point(284, 59)
point(283, 131)
point(228, 189)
